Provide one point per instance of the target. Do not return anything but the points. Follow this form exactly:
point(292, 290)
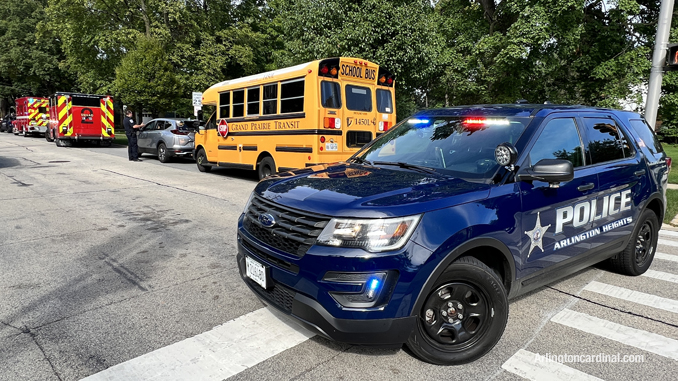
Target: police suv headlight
point(248, 203)
point(372, 235)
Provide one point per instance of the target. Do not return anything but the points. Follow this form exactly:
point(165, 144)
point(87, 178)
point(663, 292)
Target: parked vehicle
point(80, 117)
point(424, 235)
point(31, 116)
point(167, 138)
point(6, 123)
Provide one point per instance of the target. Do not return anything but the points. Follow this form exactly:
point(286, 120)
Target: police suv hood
point(352, 190)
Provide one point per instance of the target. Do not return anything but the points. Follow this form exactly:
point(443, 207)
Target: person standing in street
point(131, 132)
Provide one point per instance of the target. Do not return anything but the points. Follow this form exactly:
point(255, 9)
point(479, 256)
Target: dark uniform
point(131, 132)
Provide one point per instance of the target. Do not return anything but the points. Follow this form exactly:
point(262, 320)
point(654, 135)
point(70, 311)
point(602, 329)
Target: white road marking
point(668, 233)
point(673, 278)
point(640, 339)
point(524, 364)
point(666, 257)
point(217, 354)
point(633, 296)
point(667, 242)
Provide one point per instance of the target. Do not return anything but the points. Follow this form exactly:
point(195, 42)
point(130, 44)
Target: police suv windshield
point(456, 146)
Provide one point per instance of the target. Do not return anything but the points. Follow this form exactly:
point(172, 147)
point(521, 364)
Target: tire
point(201, 158)
point(106, 143)
point(446, 340)
point(63, 143)
point(639, 252)
point(265, 167)
point(163, 156)
point(48, 135)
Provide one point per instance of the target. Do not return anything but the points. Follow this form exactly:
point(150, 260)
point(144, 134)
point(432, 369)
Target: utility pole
point(658, 59)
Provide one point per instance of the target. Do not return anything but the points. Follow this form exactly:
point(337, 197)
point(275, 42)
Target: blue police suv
point(424, 235)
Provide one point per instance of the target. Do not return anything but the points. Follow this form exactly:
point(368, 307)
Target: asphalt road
point(118, 270)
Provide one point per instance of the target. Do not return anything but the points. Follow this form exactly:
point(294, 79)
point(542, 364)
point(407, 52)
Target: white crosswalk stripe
point(667, 242)
point(637, 338)
point(528, 365)
point(673, 278)
point(666, 257)
point(214, 355)
point(633, 296)
point(668, 233)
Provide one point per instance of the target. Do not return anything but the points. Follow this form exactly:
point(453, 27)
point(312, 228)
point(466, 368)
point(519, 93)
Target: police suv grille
point(294, 231)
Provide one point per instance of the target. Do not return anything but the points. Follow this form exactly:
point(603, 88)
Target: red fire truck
point(77, 117)
point(31, 116)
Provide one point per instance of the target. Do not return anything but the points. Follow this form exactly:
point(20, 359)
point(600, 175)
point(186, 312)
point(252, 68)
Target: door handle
point(639, 173)
point(585, 187)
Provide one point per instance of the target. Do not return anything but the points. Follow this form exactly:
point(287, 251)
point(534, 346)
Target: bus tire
point(200, 158)
point(266, 167)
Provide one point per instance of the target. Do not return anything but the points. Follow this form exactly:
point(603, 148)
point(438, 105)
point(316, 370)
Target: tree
point(30, 62)
point(146, 80)
point(400, 36)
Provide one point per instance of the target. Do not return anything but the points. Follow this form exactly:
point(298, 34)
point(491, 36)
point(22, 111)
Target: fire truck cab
point(31, 116)
point(80, 117)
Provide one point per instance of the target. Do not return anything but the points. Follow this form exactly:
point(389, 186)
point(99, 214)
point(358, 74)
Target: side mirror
point(201, 128)
point(552, 171)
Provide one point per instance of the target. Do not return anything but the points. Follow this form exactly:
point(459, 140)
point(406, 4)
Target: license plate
point(256, 271)
point(331, 146)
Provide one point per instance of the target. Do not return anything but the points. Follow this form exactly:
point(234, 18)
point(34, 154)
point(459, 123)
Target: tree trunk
point(147, 21)
point(490, 9)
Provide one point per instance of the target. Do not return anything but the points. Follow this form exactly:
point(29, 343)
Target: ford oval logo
point(267, 219)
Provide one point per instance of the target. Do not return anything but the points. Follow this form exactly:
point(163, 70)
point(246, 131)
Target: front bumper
point(380, 332)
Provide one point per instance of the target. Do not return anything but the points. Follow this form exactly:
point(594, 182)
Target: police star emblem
point(536, 235)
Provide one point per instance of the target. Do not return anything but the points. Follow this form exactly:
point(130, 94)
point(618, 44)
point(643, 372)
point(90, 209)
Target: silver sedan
point(167, 138)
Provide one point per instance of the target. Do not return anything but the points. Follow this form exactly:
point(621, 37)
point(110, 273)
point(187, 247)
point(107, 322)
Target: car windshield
point(456, 146)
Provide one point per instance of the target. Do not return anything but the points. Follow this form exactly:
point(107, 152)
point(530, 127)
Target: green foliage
point(29, 62)
point(146, 79)
point(445, 52)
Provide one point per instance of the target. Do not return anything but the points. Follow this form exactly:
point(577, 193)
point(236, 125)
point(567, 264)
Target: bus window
point(358, 98)
point(384, 101)
point(292, 96)
point(271, 99)
point(357, 139)
point(253, 101)
point(225, 105)
point(238, 103)
point(330, 94)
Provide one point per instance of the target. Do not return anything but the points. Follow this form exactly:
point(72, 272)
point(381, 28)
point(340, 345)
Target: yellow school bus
point(317, 112)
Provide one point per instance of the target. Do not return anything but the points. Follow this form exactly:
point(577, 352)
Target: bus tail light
point(322, 139)
point(332, 123)
point(383, 126)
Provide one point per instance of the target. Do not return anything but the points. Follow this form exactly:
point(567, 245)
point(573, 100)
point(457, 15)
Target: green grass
point(672, 152)
point(672, 205)
point(120, 139)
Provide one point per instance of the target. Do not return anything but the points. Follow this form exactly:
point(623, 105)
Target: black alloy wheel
point(456, 313)
point(639, 252)
point(644, 244)
point(462, 317)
